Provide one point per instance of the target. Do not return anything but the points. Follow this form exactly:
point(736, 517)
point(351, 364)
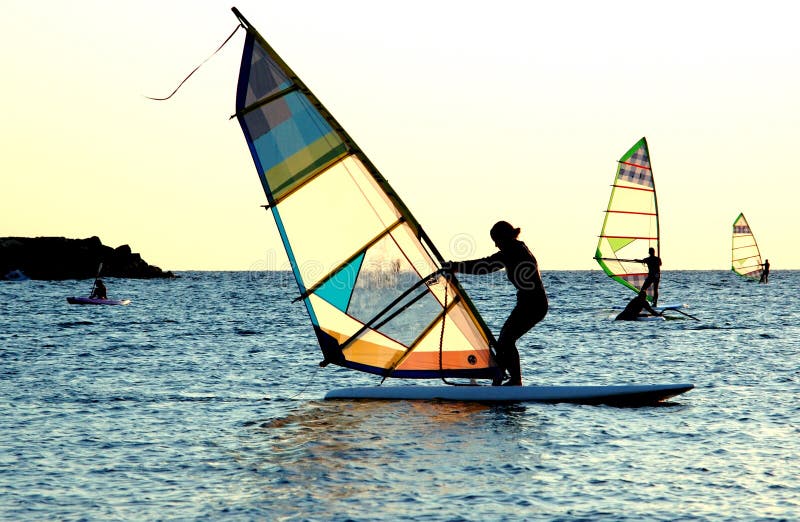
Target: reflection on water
point(344, 454)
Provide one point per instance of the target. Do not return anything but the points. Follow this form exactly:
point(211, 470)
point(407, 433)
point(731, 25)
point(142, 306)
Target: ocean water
point(202, 400)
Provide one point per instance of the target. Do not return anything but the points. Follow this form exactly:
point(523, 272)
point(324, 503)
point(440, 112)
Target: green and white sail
point(630, 226)
point(367, 273)
point(745, 256)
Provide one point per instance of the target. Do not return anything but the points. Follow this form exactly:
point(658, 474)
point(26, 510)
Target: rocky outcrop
point(64, 258)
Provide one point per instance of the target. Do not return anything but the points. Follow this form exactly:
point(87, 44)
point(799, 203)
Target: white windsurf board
point(622, 395)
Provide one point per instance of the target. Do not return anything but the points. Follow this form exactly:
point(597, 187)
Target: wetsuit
point(523, 272)
point(634, 308)
point(653, 275)
point(99, 291)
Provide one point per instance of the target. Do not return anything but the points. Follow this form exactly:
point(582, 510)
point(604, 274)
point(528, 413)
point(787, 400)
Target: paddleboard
point(92, 301)
point(659, 308)
point(675, 306)
point(620, 395)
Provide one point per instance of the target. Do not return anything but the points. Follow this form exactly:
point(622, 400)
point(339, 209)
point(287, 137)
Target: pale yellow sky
point(474, 111)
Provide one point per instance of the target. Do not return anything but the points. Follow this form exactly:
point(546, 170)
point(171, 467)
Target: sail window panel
point(330, 219)
point(384, 277)
point(292, 141)
point(636, 280)
point(458, 351)
point(460, 332)
point(371, 348)
point(419, 259)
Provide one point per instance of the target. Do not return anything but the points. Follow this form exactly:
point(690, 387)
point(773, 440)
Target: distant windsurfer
point(764, 272)
point(635, 306)
point(523, 272)
point(99, 291)
point(653, 263)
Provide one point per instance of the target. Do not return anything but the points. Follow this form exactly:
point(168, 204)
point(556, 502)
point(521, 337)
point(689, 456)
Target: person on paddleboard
point(653, 263)
point(99, 291)
point(635, 306)
point(523, 272)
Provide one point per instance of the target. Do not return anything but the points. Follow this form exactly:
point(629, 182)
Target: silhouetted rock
point(63, 258)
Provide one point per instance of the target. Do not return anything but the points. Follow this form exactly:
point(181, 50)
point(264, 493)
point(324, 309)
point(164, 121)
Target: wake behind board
point(621, 395)
point(92, 301)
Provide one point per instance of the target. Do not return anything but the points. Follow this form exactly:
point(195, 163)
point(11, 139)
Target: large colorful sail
point(630, 226)
point(368, 274)
point(745, 256)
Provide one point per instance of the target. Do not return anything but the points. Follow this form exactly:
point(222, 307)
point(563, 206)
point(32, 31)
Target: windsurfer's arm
point(650, 309)
point(484, 265)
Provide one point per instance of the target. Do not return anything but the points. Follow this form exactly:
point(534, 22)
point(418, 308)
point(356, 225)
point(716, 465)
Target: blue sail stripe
point(292, 135)
point(293, 262)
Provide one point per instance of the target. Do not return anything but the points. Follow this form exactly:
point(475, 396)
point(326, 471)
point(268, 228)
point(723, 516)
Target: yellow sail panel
point(328, 220)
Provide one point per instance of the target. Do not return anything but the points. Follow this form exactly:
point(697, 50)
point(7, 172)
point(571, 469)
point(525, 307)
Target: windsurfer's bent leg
point(522, 318)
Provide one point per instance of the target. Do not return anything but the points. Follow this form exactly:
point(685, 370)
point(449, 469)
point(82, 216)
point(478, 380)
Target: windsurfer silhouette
point(523, 272)
point(764, 272)
point(653, 263)
point(635, 307)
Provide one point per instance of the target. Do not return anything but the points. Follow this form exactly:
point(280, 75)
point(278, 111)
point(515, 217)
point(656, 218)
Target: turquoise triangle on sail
point(338, 289)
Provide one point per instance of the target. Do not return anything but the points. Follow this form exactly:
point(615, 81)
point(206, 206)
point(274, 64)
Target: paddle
point(99, 268)
point(684, 313)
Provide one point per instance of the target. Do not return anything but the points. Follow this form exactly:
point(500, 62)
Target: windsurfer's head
point(502, 231)
point(652, 251)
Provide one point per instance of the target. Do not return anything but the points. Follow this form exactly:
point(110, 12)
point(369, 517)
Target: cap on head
point(503, 231)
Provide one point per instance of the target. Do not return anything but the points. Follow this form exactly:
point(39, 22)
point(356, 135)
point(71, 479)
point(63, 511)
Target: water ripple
point(201, 400)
